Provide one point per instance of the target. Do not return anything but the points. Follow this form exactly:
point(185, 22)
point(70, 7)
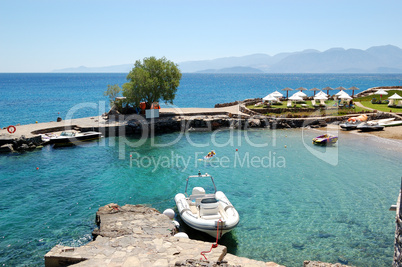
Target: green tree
point(112, 92)
point(151, 81)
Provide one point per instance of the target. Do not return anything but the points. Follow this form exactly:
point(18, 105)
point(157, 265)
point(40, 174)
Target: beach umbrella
point(321, 97)
point(345, 97)
point(321, 93)
point(295, 97)
point(276, 94)
point(353, 88)
point(301, 89)
point(270, 97)
point(315, 89)
point(327, 89)
point(381, 92)
point(340, 93)
point(394, 97)
point(287, 89)
point(301, 94)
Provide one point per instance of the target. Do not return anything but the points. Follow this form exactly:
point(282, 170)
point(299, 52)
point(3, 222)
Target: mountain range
point(376, 59)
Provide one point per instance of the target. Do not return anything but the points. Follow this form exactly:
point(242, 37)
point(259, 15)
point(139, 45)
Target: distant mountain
point(125, 68)
point(380, 59)
point(233, 70)
point(377, 59)
point(253, 61)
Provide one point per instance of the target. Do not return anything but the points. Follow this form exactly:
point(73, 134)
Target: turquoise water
point(29, 97)
point(296, 203)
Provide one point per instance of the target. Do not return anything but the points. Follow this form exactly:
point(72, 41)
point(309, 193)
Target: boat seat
point(209, 206)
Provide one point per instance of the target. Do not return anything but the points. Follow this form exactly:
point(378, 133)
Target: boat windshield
point(67, 134)
point(206, 175)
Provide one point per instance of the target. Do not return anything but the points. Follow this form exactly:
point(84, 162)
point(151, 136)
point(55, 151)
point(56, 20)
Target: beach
point(389, 132)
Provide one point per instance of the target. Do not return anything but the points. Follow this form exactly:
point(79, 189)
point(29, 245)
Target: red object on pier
point(11, 129)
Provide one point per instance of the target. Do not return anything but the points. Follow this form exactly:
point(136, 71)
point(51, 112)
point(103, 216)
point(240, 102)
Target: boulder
point(254, 123)
point(7, 148)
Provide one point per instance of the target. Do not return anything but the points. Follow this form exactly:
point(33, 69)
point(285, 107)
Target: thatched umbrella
point(315, 90)
point(327, 89)
point(353, 88)
point(301, 89)
point(287, 89)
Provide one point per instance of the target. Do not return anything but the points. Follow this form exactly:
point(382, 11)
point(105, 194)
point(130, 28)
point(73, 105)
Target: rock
point(23, 147)
point(254, 123)
point(59, 119)
point(6, 148)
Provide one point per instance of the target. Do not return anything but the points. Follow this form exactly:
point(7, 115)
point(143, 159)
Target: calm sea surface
point(296, 203)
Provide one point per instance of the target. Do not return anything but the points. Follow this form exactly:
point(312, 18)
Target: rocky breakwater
point(135, 235)
point(194, 123)
point(21, 144)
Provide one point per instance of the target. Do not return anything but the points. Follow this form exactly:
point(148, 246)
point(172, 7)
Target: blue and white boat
point(211, 213)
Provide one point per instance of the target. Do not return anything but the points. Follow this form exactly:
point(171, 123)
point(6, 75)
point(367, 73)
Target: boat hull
point(325, 140)
point(83, 137)
point(214, 225)
point(347, 126)
point(366, 127)
point(391, 123)
point(371, 129)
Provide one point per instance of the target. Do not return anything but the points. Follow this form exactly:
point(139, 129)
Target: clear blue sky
point(40, 36)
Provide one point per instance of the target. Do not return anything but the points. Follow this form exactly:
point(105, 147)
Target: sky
point(44, 35)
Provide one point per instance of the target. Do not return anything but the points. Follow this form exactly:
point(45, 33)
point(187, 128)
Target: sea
point(296, 201)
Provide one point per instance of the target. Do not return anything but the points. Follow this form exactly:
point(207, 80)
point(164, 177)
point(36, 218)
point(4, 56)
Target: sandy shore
point(394, 132)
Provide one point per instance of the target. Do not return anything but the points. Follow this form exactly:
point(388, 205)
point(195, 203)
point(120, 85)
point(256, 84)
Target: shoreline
point(176, 120)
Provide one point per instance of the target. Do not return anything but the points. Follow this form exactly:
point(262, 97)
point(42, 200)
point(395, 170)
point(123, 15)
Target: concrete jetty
point(229, 115)
point(113, 122)
point(135, 235)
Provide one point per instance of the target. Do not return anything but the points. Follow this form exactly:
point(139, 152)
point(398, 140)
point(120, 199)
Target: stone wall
point(250, 101)
point(283, 110)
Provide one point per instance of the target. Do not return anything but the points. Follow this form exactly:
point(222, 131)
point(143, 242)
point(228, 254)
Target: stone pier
point(135, 235)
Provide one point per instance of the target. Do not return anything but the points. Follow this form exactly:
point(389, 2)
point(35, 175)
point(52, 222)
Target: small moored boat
point(72, 137)
point(348, 126)
point(209, 213)
point(353, 122)
point(390, 122)
point(370, 126)
point(325, 140)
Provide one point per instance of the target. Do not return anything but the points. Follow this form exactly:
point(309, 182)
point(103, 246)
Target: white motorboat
point(389, 122)
point(71, 137)
point(209, 213)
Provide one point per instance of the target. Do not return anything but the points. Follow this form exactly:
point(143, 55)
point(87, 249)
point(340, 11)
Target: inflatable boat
point(211, 213)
